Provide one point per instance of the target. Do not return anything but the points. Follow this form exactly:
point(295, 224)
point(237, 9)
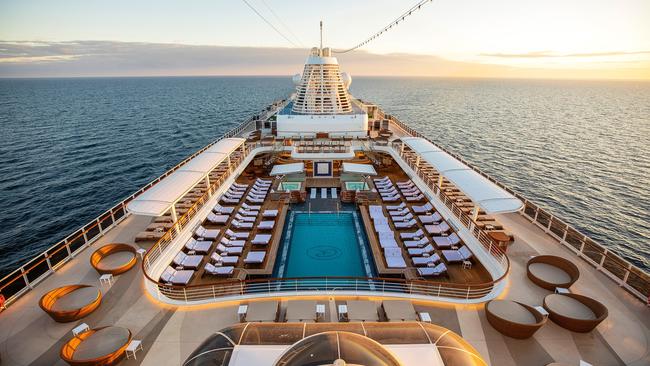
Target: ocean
point(72, 148)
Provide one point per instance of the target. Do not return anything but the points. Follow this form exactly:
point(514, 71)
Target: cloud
point(110, 58)
point(549, 54)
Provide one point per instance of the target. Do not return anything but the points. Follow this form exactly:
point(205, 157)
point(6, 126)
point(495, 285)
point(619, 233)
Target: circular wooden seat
point(102, 346)
point(70, 303)
point(113, 258)
point(550, 272)
point(575, 312)
point(513, 318)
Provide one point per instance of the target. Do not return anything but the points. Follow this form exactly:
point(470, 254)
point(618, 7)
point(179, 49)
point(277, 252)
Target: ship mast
point(321, 36)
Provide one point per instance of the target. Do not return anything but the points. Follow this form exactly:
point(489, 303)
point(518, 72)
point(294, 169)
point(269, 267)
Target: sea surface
point(72, 148)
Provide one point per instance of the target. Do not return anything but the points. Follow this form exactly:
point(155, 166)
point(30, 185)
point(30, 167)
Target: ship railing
point(627, 275)
point(325, 286)
point(28, 275)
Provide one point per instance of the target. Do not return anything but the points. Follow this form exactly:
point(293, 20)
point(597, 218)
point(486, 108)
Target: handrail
point(28, 275)
point(634, 279)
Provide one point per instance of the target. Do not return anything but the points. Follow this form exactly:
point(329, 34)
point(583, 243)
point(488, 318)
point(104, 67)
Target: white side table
point(320, 311)
point(467, 265)
point(141, 252)
point(343, 313)
point(132, 348)
point(241, 312)
point(106, 279)
point(425, 317)
point(541, 310)
point(562, 290)
point(83, 327)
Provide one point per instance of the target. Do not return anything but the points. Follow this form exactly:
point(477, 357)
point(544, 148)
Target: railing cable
point(269, 23)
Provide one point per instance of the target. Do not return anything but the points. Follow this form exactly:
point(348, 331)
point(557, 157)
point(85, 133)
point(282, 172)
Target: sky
point(475, 38)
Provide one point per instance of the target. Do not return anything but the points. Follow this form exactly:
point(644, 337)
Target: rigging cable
point(414, 8)
point(269, 23)
point(283, 24)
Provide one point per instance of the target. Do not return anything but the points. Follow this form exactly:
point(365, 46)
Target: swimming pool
point(290, 186)
point(324, 244)
point(356, 186)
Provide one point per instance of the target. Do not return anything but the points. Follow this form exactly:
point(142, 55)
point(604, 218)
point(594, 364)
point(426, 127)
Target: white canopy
point(284, 169)
point(482, 191)
point(158, 199)
point(365, 169)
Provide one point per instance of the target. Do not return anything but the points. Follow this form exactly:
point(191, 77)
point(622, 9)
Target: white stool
point(343, 313)
point(425, 317)
point(241, 312)
point(141, 252)
point(467, 265)
point(320, 311)
point(83, 327)
point(133, 347)
point(106, 279)
point(541, 310)
point(562, 290)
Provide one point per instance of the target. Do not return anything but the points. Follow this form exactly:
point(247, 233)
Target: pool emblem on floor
point(324, 252)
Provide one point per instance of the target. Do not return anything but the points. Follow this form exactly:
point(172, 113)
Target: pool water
point(324, 244)
point(356, 186)
point(290, 186)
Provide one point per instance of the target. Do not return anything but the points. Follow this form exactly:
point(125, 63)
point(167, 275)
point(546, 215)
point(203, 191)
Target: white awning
point(365, 169)
point(490, 197)
point(284, 169)
point(156, 200)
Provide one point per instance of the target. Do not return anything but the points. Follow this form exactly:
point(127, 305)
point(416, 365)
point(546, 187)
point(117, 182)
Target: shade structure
point(365, 169)
point(490, 197)
point(284, 169)
point(158, 199)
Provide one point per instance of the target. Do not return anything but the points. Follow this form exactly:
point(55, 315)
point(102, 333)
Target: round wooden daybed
point(104, 346)
point(70, 303)
point(575, 312)
point(513, 318)
point(550, 272)
point(114, 258)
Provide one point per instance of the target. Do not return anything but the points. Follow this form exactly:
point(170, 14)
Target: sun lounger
point(407, 217)
point(149, 236)
point(245, 212)
point(416, 243)
point(163, 219)
point(219, 270)
point(159, 226)
point(263, 181)
point(255, 200)
point(256, 196)
point(387, 239)
point(397, 207)
point(416, 234)
point(399, 310)
point(406, 184)
point(401, 212)
point(446, 241)
point(417, 198)
point(230, 200)
point(405, 225)
point(258, 192)
point(270, 213)
point(239, 185)
point(261, 239)
point(220, 259)
point(425, 261)
point(427, 207)
point(266, 225)
point(229, 250)
point(199, 246)
point(262, 311)
point(362, 310)
point(202, 232)
point(437, 229)
point(432, 271)
point(240, 218)
point(223, 210)
point(176, 277)
point(334, 195)
point(300, 311)
point(382, 227)
point(233, 196)
point(456, 256)
point(251, 207)
point(255, 257)
point(394, 198)
point(430, 219)
point(237, 235)
point(187, 261)
point(394, 258)
point(232, 243)
point(421, 251)
point(241, 224)
point(375, 211)
point(217, 219)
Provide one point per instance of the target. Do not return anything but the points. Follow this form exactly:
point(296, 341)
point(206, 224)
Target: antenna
point(321, 35)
